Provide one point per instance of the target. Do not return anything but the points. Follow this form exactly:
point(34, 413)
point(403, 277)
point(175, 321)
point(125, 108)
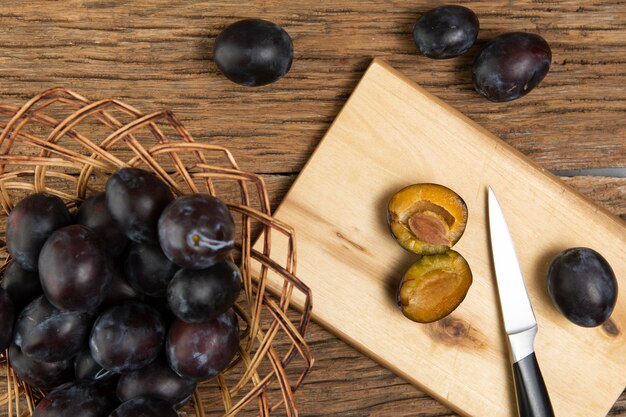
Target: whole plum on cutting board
point(446, 31)
point(582, 286)
point(511, 65)
point(253, 52)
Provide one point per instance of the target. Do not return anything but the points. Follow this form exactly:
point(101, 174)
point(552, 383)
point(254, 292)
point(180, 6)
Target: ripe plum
point(135, 198)
point(253, 52)
point(29, 225)
point(511, 65)
point(74, 269)
point(446, 31)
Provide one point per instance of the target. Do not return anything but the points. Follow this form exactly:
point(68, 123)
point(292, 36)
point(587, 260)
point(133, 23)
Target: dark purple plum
point(74, 269)
point(582, 286)
point(87, 369)
point(511, 65)
point(29, 225)
point(446, 31)
point(95, 214)
point(49, 334)
point(148, 270)
point(22, 286)
point(253, 52)
point(39, 374)
point(196, 231)
point(200, 295)
point(127, 337)
point(144, 407)
point(7, 319)
point(79, 399)
point(202, 350)
point(156, 380)
point(135, 198)
point(120, 290)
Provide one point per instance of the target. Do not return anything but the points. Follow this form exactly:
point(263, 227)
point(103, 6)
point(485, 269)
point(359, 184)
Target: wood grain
point(156, 54)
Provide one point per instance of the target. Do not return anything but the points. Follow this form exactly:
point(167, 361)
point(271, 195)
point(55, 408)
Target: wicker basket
point(62, 143)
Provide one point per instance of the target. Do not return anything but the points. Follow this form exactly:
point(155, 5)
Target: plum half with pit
point(582, 286)
point(426, 218)
point(434, 286)
point(446, 31)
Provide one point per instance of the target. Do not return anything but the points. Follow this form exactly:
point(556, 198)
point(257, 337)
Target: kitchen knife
point(519, 320)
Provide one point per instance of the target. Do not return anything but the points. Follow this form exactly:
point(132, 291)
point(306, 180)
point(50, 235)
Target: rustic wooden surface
point(156, 54)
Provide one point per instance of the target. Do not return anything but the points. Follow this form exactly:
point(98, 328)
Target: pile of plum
point(121, 309)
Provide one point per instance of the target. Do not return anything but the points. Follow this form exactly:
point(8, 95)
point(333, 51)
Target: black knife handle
point(532, 395)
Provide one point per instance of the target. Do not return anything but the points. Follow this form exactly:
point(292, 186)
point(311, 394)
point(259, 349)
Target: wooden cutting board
point(392, 133)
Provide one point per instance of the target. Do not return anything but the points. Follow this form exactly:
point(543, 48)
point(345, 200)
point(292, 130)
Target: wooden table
point(154, 54)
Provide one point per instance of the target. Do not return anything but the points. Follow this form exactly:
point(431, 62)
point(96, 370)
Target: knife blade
point(520, 324)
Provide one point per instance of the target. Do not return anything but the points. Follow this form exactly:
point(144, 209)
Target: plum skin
point(75, 269)
point(202, 350)
point(39, 374)
point(95, 214)
point(127, 337)
point(135, 198)
point(253, 52)
point(446, 31)
point(92, 401)
point(148, 270)
point(7, 317)
point(199, 295)
point(196, 231)
point(21, 285)
point(144, 406)
point(511, 65)
point(49, 334)
point(156, 380)
point(582, 286)
point(29, 225)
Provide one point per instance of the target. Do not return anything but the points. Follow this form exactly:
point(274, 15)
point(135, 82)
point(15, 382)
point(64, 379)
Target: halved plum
point(427, 219)
point(434, 286)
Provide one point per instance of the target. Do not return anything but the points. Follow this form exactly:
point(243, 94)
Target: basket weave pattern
point(61, 143)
